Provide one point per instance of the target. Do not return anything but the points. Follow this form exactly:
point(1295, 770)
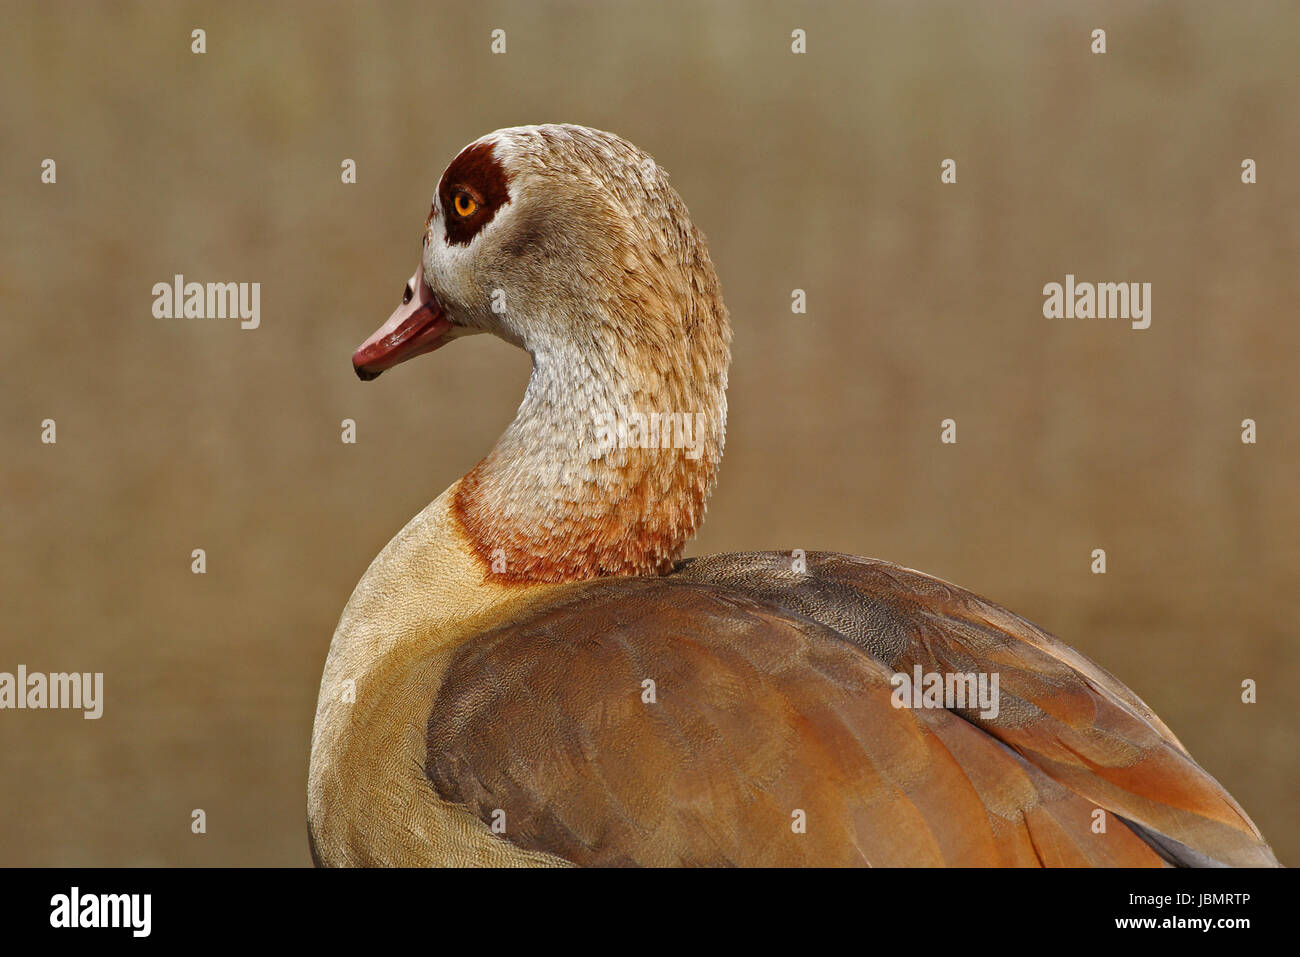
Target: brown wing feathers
point(763, 715)
point(1066, 715)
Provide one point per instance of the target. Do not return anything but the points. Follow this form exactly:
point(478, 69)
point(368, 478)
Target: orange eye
point(465, 204)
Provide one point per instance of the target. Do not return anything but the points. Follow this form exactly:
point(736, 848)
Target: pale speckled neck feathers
point(630, 355)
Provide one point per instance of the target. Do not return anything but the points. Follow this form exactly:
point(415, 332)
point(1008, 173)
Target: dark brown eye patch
point(471, 191)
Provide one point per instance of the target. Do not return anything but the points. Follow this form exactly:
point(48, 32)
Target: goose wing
point(740, 712)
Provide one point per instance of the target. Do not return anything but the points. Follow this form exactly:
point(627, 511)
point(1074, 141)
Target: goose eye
point(465, 204)
point(407, 293)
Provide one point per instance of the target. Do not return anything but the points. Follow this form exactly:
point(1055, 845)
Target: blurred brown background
point(818, 171)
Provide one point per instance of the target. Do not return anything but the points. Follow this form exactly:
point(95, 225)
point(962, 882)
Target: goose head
point(547, 236)
point(569, 243)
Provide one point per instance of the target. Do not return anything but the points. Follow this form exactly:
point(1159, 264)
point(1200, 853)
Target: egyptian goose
point(529, 674)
